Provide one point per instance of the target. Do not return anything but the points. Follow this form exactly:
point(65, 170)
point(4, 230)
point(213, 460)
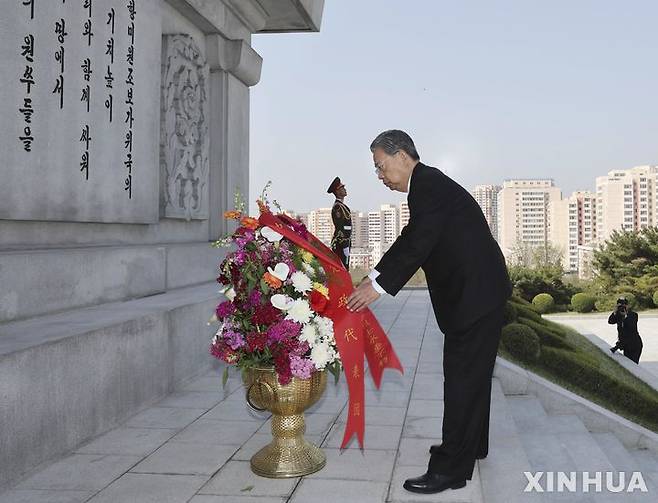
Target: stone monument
point(125, 133)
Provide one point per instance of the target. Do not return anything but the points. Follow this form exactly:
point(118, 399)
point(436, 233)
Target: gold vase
point(289, 454)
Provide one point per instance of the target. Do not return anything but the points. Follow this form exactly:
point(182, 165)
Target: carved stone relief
point(184, 140)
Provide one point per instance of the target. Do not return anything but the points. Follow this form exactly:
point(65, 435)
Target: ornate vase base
point(287, 458)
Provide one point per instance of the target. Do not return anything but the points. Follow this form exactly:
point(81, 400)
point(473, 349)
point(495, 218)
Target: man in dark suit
point(341, 216)
point(628, 338)
point(448, 236)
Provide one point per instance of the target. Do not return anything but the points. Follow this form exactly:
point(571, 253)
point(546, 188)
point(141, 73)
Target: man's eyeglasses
point(379, 168)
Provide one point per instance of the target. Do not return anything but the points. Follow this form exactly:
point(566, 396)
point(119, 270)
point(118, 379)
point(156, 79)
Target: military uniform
point(342, 219)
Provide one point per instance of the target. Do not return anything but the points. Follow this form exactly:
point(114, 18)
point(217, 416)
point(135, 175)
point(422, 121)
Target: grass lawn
point(570, 360)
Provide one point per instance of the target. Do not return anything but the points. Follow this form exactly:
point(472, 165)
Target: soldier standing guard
point(342, 219)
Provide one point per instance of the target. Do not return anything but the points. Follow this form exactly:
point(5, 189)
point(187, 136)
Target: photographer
point(628, 338)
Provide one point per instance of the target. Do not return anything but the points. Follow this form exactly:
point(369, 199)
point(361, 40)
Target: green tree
point(628, 262)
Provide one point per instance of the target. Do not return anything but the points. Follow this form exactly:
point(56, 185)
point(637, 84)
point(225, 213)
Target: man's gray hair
point(393, 141)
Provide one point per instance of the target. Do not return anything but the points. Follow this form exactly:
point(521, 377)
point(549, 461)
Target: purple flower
point(234, 339)
point(246, 236)
point(240, 257)
point(225, 309)
point(285, 329)
point(301, 367)
point(254, 298)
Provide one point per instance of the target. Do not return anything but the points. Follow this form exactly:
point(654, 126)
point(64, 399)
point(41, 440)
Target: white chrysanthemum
point(325, 327)
point(300, 311)
point(301, 282)
point(309, 334)
point(321, 355)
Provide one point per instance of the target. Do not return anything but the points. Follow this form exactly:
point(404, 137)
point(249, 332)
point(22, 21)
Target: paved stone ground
point(597, 324)
point(195, 445)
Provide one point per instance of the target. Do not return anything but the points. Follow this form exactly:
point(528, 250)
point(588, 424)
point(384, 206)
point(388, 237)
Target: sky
point(488, 90)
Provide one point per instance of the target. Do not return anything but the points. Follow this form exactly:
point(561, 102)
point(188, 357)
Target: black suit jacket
point(626, 329)
point(448, 236)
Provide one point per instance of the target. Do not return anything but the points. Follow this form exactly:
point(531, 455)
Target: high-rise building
point(523, 212)
point(359, 229)
point(403, 209)
point(573, 225)
point(390, 223)
point(487, 197)
point(375, 235)
point(626, 199)
point(321, 225)
point(374, 227)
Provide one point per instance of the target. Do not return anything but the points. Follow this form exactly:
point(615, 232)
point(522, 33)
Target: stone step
point(578, 442)
point(648, 462)
point(502, 471)
point(646, 459)
point(623, 461)
point(527, 413)
point(118, 358)
point(557, 443)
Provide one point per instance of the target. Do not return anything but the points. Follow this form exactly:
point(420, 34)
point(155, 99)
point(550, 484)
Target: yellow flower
point(307, 256)
point(321, 288)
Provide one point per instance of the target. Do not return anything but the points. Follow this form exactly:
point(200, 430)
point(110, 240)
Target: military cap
point(334, 185)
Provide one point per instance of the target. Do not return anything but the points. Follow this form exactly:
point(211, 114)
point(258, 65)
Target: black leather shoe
point(430, 483)
point(436, 446)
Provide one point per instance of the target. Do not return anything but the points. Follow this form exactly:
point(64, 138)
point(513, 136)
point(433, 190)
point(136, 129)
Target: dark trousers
point(341, 255)
point(633, 352)
point(468, 361)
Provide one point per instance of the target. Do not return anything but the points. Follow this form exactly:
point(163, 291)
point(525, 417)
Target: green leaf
point(225, 376)
point(248, 488)
point(264, 286)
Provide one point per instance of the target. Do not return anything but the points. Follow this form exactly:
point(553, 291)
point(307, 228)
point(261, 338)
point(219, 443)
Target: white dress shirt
point(374, 273)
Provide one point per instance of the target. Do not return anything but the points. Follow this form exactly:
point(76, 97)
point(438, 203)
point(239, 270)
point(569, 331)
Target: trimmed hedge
point(521, 341)
point(517, 299)
point(547, 336)
point(510, 313)
point(528, 312)
point(582, 371)
point(583, 302)
point(543, 302)
point(655, 298)
point(608, 302)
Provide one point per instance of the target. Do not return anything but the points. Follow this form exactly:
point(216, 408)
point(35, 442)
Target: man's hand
point(364, 295)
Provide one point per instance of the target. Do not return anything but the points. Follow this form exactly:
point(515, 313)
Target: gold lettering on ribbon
point(356, 373)
point(349, 335)
point(356, 409)
point(342, 301)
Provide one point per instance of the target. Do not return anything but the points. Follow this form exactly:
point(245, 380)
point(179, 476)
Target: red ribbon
point(356, 334)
